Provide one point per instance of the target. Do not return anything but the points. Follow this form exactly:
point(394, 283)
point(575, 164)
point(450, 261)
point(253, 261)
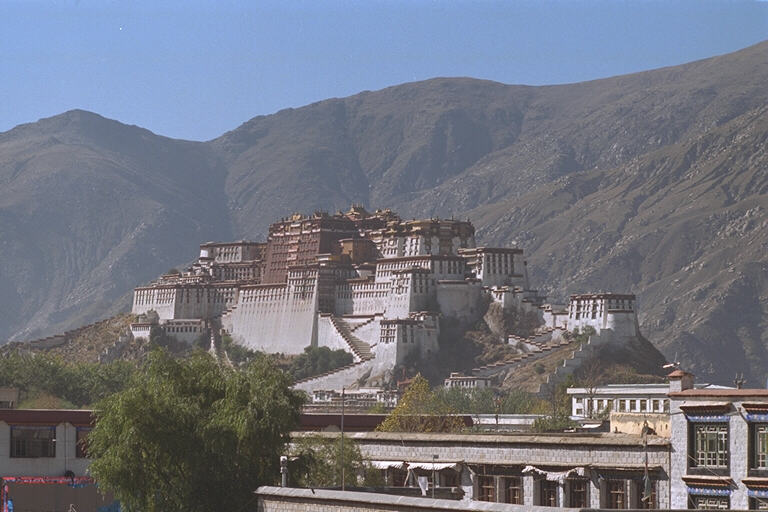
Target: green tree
point(560, 407)
point(487, 401)
point(420, 410)
point(47, 376)
point(237, 353)
point(553, 423)
point(193, 434)
point(317, 463)
point(317, 360)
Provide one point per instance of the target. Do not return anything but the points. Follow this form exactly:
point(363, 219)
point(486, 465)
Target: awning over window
point(761, 408)
point(437, 466)
point(557, 476)
point(709, 482)
point(609, 471)
point(386, 464)
point(756, 483)
point(398, 464)
point(756, 412)
point(706, 409)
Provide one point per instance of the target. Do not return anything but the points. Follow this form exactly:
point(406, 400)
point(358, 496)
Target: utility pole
point(284, 471)
point(434, 459)
point(343, 399)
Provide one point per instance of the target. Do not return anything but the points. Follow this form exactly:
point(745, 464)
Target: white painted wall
point(65, 459)
point(274, 319)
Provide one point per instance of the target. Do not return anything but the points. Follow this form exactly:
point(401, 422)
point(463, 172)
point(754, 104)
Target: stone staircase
point(358, 347)
point(362, 324)
point(536, 350)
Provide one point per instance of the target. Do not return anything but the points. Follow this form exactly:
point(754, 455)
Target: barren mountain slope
point(685, 227)
point(90, 208)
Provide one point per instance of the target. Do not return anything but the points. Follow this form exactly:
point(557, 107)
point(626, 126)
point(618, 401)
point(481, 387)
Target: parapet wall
point(280, 499)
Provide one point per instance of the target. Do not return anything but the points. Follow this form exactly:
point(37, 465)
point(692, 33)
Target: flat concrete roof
point(350, 498)
point(720, 393)
point(578, 438)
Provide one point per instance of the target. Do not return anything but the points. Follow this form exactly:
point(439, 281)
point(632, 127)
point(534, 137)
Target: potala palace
point(372, 284)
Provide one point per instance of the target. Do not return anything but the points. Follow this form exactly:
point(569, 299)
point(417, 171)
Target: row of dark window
point(40, 441)
point(576, 492)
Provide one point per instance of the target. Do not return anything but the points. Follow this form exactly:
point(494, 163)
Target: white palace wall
point(621, 323)
point(184, 301)
point(273, 318)
point(361, 297)
point(161, 300)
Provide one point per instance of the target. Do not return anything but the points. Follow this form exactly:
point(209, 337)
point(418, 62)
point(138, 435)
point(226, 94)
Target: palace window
point(710, 445)
point(756, 503)
point(706, 502)
point(486, 486)
point(577, 493)
point(514, 488)
point(33, 442)
point(548, 493)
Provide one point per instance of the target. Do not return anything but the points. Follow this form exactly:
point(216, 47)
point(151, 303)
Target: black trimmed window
point(756, 503)
point(758, 446)
point(709, 445)
point(33, 441)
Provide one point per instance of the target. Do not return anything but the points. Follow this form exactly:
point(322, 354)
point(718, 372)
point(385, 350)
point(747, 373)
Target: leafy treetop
point(193, 434)
point(419, 410)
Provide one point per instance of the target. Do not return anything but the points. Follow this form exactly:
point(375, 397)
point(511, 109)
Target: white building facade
point(719, 437)
point(43, 442)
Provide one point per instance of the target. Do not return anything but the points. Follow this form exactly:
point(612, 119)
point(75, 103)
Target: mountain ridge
point(618, 183)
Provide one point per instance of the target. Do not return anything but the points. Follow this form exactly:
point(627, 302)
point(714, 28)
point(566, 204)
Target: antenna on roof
point(673, 364)
point(739, 381)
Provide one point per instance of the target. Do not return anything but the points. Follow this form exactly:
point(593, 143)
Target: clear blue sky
point(193, 69)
